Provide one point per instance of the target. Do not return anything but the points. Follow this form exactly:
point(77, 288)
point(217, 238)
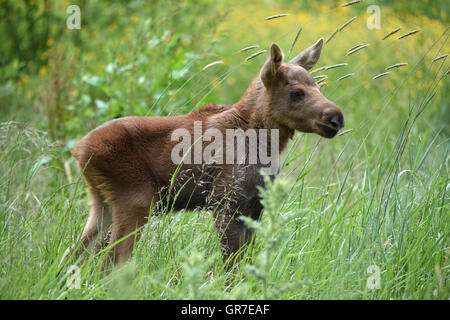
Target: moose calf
point(128, 162)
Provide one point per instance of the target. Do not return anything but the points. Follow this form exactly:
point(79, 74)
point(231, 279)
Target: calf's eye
point(297, 95)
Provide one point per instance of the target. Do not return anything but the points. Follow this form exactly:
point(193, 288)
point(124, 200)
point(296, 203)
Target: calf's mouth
point(326, 131)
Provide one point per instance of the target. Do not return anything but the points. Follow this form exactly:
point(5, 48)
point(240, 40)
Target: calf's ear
point(309, 57)
point(271, 65)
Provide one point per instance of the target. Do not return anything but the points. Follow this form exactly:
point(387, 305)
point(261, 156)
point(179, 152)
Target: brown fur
point(127, 162)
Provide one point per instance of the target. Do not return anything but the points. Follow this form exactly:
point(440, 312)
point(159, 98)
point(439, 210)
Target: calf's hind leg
point(99, 221)
point(126, 220)
point(93, 238)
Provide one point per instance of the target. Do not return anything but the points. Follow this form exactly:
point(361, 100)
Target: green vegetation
point(377, 195)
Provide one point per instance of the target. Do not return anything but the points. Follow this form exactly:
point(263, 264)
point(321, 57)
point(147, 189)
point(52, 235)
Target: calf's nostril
point(333, 117)
point(335, 122)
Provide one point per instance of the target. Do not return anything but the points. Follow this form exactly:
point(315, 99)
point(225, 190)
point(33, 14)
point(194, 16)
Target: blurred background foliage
point(120, 61)
point(146, 57)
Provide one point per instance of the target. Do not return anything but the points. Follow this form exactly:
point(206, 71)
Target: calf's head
point(294, 98)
